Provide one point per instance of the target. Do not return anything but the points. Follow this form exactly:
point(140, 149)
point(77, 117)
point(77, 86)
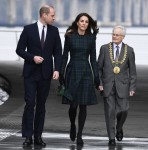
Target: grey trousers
point(115, 107)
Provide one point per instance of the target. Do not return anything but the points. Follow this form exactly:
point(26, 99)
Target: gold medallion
point(116, 70)
point(112, 57)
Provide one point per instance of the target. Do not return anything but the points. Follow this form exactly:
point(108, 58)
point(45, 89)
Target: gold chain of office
point(112, 58)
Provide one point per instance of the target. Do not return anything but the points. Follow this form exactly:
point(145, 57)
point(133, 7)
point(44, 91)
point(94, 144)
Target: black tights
point(81, 117)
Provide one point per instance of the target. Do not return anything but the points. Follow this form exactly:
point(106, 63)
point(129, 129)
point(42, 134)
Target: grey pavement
point(57, 124)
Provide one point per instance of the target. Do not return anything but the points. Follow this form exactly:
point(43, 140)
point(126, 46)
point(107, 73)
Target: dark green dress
point(79, 74)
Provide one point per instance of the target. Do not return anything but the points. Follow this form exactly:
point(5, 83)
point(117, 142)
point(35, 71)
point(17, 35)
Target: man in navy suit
point(38, 44)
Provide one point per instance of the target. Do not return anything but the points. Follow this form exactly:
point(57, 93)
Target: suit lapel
point(36, 34)
point(122, 52)
point(112, 53)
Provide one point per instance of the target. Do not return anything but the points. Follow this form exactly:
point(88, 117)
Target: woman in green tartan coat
point(78, 76)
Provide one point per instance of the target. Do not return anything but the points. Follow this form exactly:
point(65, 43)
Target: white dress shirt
point(40, 27)
point(115, 48)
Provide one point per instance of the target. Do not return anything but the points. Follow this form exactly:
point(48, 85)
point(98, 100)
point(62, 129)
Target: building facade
point(106, 12)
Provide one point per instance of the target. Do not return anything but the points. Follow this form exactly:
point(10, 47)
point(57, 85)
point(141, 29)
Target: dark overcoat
point(80, 70)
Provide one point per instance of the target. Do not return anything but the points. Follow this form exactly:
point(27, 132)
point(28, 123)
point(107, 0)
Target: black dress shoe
point(27, 142)
point(80, 141)
point(73, 132)
point(119, 135)
point(38, 141)
point(112, 142)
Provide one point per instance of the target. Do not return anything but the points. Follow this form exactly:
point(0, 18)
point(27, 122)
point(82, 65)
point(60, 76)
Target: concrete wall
point(9, 39)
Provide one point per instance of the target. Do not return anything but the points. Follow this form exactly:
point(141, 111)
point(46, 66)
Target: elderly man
point(117, 72)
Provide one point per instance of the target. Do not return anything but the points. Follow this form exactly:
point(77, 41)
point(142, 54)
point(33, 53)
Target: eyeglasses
point(116, 35)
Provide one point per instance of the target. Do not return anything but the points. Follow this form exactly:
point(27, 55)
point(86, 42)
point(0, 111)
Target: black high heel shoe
point(73, 132)
point(80, 141)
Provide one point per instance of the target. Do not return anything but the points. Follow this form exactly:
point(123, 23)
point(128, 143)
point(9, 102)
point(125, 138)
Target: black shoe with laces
point(27, 142)
point(39, 142)
point(119, 135)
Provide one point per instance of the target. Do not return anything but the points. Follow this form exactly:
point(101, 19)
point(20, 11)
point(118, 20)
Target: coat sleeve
point(22, 45)
point(100, 64)
point(65, 55)
point(132, 70)
point(57, 53)
point(93, 62)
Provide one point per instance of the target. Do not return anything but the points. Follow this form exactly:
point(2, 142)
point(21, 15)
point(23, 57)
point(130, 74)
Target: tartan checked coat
point(81, 69)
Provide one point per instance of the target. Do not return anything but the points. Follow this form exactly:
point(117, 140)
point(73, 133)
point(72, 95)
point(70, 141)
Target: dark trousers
point(36, 93)
point(115, 107)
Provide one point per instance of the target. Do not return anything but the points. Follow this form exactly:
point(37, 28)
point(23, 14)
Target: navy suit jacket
point(29, 45)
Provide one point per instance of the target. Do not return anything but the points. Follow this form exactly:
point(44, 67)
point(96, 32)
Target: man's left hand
point(55, 75)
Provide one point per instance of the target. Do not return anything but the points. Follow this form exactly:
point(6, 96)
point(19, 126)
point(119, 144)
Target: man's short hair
point(122, 28)
point(44, 9)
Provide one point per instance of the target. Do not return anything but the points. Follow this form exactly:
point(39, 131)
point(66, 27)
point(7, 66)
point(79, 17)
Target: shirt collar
point(120, 45)
point(40, 25)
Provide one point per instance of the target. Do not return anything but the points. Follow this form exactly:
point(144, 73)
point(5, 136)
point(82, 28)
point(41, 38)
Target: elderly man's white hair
point(122, 28)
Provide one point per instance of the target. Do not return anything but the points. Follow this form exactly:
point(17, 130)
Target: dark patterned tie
point(117, 53)
point(42, 37)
